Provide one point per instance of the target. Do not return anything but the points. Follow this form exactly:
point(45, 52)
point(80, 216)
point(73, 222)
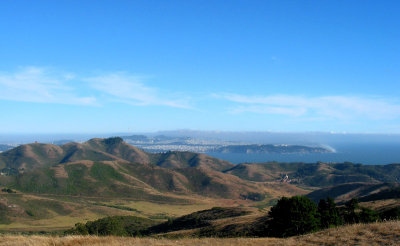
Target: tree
point(351, 215)
point(79, 229)
point(293, 216)
point(328, 213)
point(368, 215)
point(391, 214)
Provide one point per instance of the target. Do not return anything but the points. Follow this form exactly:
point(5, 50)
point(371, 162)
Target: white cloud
point(324, 107)
point(43, 85)
point(262, 109)
point(32, 84)
point(130, 89)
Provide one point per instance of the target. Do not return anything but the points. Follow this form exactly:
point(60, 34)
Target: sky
point(143, 66)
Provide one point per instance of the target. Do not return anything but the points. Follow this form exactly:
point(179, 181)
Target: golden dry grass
point(82, 209)
point(119, 241)
point(381, 204)
point(387, 233)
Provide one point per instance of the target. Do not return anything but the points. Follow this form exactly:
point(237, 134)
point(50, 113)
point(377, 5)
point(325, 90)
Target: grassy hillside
point(117, 148)
point(27, 212)
point(176, 159)
point(201, 219)
point(317, 174)
point(363, 191)
point(122, 179)
point(32, 156)
point(386, 233)
point(27, 157)
point(111, 168)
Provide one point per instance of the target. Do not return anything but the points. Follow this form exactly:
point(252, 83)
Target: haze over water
point(363, 153)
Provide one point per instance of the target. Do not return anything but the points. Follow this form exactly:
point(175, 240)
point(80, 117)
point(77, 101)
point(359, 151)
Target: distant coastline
point(270, 148)
point(364, 153)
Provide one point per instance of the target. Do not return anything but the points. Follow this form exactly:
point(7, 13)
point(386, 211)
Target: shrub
point(113, 225)
point(293, 216)
point(367, 215)
point(390, 214)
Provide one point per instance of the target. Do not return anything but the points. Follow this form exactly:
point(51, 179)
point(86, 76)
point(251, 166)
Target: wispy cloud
point(33, 84)
point(44, 85)
point(130, 89)
point(324, 107)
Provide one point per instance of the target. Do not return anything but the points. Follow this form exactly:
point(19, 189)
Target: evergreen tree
point(328, 213)
point(293, 216)
point(351, 215)
point(367, 215)
point(390, 214)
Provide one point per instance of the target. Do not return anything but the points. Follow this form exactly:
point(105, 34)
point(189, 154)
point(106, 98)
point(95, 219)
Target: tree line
point(299, 215)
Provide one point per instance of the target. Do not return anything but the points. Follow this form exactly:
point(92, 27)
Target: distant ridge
point(364, 192)
point(317, 174)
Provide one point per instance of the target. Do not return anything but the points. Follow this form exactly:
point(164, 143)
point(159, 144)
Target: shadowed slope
point(363, 191)
point(118, 148)
point(317, 174)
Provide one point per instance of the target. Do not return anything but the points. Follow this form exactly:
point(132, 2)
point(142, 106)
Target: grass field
point(25, 212)
point(386, 233)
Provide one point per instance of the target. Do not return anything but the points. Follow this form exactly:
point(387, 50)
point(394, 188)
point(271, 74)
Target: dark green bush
point(328, 213)
point(390, 214)
point(114, 225)
point(293, 216)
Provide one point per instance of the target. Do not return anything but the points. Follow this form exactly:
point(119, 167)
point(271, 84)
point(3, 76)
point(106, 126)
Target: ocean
point(364, 153)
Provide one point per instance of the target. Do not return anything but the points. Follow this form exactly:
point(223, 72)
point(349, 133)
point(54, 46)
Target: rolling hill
point(362, 191)
point(317, 174)
point(110, 167)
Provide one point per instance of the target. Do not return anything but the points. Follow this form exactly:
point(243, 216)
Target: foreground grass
point(386, 233)
point(61, 212)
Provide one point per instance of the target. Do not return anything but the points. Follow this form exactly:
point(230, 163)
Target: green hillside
point(112, 168)
point(176, 159)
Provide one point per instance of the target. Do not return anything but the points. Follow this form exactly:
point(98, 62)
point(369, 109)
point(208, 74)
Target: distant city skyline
point(147, 66)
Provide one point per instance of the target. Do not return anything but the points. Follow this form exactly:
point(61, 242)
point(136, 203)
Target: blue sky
point(132, 66)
